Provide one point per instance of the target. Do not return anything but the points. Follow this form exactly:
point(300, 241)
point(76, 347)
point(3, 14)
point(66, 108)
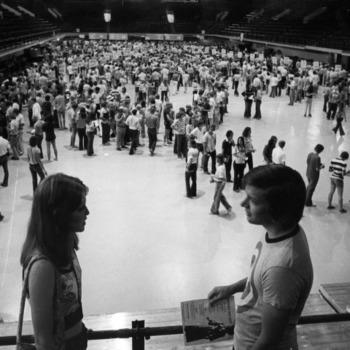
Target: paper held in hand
point(203, 324)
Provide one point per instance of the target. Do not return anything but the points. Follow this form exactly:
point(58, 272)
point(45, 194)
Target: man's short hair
point(282, 143)
point(319, 148)
point(33, 141)
point(283, 188)
point(344, 155)
point(229, 133)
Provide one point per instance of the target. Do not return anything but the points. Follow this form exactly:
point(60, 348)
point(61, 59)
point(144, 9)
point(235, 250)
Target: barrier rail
point(139, 333)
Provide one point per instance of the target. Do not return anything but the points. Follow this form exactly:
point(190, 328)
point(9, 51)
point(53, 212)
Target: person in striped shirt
point(338, 166)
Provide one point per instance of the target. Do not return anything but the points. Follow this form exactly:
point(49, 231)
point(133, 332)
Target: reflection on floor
point(146, 246)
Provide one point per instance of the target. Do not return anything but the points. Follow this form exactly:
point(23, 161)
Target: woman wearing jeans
point(220, 180)
point(36, 167)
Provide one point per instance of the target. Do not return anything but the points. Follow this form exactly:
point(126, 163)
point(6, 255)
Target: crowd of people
point(83, 89)
point(84, 85)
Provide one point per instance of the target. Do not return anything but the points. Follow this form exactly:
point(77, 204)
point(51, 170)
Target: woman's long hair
point(55, 199)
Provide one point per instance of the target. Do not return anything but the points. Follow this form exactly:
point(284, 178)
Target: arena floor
point(146, 246)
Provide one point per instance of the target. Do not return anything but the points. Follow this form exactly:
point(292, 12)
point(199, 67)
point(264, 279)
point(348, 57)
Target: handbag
point(20, 345)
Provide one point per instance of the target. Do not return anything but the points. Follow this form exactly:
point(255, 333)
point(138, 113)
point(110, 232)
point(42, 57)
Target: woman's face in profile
point(78, 217)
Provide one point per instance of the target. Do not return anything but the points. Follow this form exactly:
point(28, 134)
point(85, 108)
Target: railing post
point(138, 341)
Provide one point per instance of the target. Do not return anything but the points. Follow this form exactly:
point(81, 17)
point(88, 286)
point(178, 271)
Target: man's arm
point(224, 292)
point(205, 145)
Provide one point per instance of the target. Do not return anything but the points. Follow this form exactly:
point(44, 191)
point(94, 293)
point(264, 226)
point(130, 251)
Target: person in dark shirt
point(49, 129)
point(46, 107)
point(313, 169)
point(267, 152)
point(227, 153)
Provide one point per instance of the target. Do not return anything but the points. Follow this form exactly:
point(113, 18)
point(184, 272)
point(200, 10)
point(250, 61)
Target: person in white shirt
point(20, 120)
point(278, 155)
point(191, 170)
point(292, 87)
point(133, 121)
point(185, 80)
point(36, 109)
point(220, 179)
point(4, 153)
point(273, 84)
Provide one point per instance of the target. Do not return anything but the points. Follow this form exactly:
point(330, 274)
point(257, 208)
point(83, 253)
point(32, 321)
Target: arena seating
point(323, 31)
point(16, 31)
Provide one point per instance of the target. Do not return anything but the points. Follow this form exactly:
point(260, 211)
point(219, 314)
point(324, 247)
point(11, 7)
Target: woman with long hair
point(49, 257)
point(267, 152)
point(247, 135)
point(239, 163)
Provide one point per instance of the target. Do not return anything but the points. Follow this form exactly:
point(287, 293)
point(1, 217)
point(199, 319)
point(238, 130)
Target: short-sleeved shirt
point(38, 127)
point(198, 134)
point(227, 148)
point(313, 165)
point(133, 122)
point(210, 141)
point(278, 156)
point(193, 155)
point(4, 146)
point(221, 172)
point(33, 155)
point(281, 276)
point(49, 129)
point(339, 168)
point(60, 103)
point(14, 126)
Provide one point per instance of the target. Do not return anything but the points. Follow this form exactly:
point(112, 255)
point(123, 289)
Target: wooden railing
point(324, 322)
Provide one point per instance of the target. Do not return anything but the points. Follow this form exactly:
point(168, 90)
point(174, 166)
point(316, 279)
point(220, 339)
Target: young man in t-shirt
point(337, 179)
point(281, 274)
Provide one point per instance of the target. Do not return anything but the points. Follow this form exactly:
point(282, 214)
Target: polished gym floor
point(146, 246)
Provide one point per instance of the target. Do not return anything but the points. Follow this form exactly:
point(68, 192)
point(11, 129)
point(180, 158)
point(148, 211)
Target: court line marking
point(11, 230)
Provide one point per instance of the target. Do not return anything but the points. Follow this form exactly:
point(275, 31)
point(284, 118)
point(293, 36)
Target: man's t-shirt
point(313, 165)
point(210, 141)
point(193, 155)
point(278, 156)
point(281, 276)
point(339, 168)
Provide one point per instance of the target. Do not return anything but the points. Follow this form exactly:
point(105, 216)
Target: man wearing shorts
point(338, 166)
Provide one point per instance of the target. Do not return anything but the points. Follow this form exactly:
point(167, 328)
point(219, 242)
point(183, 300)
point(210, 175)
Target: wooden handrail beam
point(170, 330)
